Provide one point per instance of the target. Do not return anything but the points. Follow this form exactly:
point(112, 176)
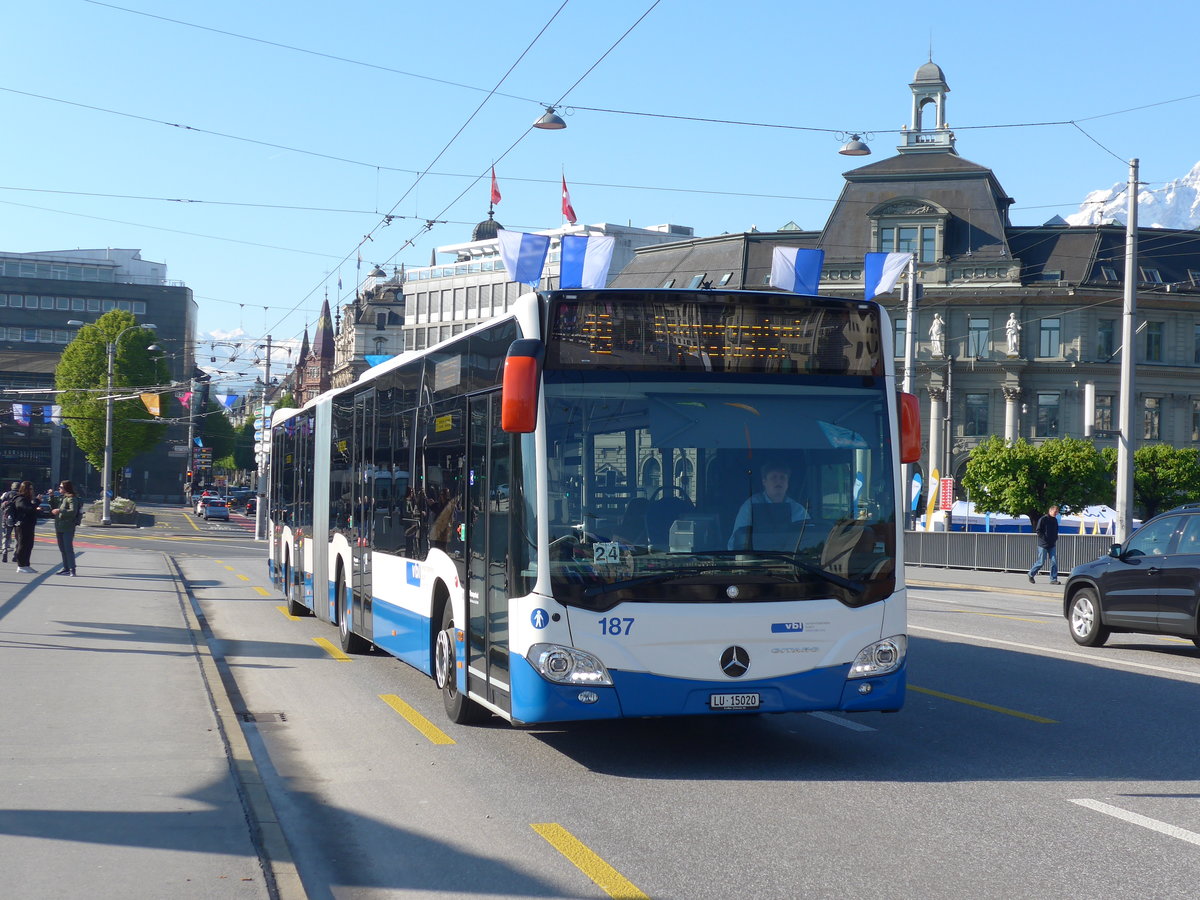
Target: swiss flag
point(495, 188)
point(568, 211)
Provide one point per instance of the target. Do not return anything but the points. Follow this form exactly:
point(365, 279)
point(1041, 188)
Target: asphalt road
point(1022, 765)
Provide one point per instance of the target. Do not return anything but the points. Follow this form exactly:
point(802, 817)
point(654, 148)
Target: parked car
point(1148, 585)
point(216, 509)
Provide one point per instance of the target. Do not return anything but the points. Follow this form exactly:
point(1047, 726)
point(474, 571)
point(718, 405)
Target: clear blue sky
point(842, 67)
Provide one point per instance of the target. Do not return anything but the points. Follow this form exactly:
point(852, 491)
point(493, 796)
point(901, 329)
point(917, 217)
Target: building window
point(1104, 412)
point(1194, 277)
point(1196, 420)
point(1154, 342)
point(978, 333)
point(920, 240)
point(1152, 419)
point(901, 337)
point(1106, 339)
point(1048, 337)
point(669, 283)
point(1196, 344)
point(1109, 273)
point(976, 424)
point(726, 278)
point(1150, 275)
point(1047, 415)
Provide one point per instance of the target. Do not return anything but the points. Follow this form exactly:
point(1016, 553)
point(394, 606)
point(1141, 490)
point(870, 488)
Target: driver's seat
point(661, 514)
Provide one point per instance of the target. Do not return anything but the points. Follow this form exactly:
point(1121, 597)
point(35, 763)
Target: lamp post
point(106, 474)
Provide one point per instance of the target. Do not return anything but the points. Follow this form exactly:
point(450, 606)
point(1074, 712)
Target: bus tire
point(351, 642)
point(460, 709)
point(294, 585)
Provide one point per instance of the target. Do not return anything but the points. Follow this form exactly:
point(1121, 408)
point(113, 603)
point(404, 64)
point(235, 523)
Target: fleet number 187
point(614, 626)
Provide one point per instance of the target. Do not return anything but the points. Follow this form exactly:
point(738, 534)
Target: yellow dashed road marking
point(416, 720)
point(333, 651)
point(609, 879)
point(980, 705)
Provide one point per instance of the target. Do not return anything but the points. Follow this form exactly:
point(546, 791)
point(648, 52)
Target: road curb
point(991, 588)
point(283, 879)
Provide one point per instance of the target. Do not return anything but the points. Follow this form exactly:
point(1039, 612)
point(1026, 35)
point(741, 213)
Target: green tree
point(1165, 476)
point(243, 447)
point(82, 374)
point(217, 434)
point(1023, 479)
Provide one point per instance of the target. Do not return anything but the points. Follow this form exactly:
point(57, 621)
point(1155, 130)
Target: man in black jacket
point(7, 522)
point(1047, 540)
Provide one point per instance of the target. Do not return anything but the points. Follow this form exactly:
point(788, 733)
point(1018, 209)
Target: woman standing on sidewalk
point(25, 511)
point(66, 517)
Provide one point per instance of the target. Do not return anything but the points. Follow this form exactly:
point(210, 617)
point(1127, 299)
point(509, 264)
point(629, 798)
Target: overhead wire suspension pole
point(1128, 359)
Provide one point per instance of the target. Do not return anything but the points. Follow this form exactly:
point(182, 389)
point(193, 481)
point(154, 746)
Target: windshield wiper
point(656, 578)
point(832, 577)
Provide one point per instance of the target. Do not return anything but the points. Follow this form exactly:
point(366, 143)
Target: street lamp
point(106, 475)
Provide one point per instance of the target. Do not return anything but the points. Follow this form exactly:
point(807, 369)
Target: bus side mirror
point(519, 396)
point(910, 428)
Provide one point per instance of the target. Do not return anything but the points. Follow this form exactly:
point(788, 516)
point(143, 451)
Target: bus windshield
point(664, 487)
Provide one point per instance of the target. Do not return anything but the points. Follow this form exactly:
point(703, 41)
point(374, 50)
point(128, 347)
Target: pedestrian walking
point(6, 518)
point(67, 517)
point(1047, 541)
point(25, 512)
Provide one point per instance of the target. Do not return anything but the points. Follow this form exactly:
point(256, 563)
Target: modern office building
point(39, 294)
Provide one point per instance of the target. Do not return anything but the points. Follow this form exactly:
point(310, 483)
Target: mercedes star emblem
point(735, 661)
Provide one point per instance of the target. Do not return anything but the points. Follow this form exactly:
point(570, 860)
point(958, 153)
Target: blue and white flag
point(524, 255)
point(881, 271)
point(585, 260)
point(796, 269)
point(21, 413)
point(374, 359)
point(916, 490)
point(53, 414)
point(227, 400)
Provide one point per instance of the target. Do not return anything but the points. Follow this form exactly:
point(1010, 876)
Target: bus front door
point(490, 479)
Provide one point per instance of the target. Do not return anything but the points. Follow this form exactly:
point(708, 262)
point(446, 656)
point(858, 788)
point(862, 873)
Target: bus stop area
point(124, 772)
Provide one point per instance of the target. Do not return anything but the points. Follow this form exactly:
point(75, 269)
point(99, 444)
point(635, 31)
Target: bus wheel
point(351, 642)
point(445, 672)
point(295, 592)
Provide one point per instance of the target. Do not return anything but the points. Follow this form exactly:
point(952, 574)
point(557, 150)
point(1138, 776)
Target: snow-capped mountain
point(1175, 205)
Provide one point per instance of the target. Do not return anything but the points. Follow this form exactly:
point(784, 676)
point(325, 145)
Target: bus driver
point(773, 496)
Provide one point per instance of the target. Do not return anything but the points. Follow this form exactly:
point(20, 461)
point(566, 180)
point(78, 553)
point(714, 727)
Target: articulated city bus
point(615, 503)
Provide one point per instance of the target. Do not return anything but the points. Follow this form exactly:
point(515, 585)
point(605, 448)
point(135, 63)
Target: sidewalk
point(979, 580)
point(114, 777)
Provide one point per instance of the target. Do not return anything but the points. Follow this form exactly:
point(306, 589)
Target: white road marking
point(1051, 651)
point(838, 720)
point(1145, 821)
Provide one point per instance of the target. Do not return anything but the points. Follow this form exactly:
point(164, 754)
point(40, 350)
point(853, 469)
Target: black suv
point(1149, 585)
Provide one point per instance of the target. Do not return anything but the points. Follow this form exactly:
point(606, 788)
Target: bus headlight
point(566, 665)
point(880, 658)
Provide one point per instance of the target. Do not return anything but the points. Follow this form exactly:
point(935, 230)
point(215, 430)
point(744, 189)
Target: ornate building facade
point(1019, 326)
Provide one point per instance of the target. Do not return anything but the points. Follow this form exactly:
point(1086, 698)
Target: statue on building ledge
point(937, 336)
point(1012, 330)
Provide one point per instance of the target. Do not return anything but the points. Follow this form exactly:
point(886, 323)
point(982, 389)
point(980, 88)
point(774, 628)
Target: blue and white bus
point(573, 511)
